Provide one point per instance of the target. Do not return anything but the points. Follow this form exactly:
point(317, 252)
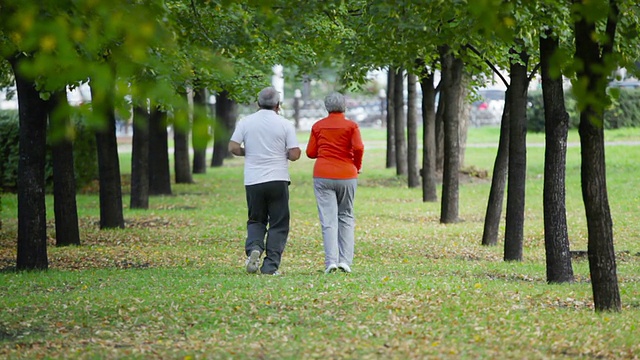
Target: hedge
point(84, 154)
point(623, 112)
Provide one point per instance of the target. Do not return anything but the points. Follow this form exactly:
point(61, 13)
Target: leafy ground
point(172, 284)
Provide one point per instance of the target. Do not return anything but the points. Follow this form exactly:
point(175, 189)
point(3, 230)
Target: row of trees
point(584, 41)
point(155, 50)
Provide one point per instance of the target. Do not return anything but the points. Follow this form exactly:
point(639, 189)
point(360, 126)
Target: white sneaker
point(253, 262)
point(344, 267)
point(331, 268)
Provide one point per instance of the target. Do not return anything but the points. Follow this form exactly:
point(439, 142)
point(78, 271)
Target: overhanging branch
point(489, 63)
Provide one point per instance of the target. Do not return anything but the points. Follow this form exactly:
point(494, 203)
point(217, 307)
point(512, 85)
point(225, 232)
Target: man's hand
point(293, 154)
point(236, 149)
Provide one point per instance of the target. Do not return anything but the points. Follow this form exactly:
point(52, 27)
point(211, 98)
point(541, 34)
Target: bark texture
point(226, 115)
point(64, 180)
point(391, 127)
point(111, 215)
point(200, 132)
point(140, 159)
point(602, 259)
point(517, 169)
point(159, 174)
point(498, 179)
point(556, 237)
point(413, 178)
point(429, 193)
point(452, 68)
point(400, 123)
point(32, 226)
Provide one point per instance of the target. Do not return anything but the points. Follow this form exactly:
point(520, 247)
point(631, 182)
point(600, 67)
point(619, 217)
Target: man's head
point(334, 102)
point(269, 98)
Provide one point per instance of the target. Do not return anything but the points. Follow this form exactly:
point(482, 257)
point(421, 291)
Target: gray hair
point(268, 98)
point(334, 102)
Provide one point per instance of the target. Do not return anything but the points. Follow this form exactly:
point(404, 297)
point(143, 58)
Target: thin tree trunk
point(556, 237)
point(602, 259)
point(64, 181)
point(517, 171)
point(498, 179)
point(200, 132)
point(181, 164)
point(413, 177)
point(391, 127)
point(159, 174)
point(32, 226)
point(111, 215)
point(452, 68)
point(399, 123)
point(429, 192)
point(439, 136)
point(226, 115)
point(140, 158)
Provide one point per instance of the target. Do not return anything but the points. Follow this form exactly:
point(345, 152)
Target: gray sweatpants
point(335, 208)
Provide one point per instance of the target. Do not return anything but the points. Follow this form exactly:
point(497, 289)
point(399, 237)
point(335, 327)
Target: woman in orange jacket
point(336, 144)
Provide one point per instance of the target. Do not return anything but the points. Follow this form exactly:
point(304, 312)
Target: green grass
point(172, 284)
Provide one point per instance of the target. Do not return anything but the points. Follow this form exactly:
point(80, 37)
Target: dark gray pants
point(268, 204)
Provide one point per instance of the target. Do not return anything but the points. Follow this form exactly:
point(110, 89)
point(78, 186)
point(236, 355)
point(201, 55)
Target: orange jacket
point(337, 145)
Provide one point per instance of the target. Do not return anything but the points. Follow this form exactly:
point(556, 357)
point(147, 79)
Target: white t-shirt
point(267, 138)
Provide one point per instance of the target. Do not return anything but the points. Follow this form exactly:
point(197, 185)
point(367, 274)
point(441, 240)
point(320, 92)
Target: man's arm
point(293, 154)
point(235, 148)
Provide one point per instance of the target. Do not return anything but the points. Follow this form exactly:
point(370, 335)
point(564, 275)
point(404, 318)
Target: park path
point(124, 144)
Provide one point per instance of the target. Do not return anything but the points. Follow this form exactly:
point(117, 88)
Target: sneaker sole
point(331, 269)
point(254, 262)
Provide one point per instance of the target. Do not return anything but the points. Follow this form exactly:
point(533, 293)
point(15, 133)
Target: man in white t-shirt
point(269, 144)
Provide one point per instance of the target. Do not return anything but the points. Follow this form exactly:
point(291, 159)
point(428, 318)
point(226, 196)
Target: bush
point(9, 148)
point(84, 153)
point(625, 109)
point(623, 112)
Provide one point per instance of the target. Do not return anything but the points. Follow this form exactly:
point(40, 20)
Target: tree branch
point(612, 22)
point(533, 72)
point(196, 15)
point(495, 70)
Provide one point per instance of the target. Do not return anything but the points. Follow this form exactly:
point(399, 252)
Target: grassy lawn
point(172, 284)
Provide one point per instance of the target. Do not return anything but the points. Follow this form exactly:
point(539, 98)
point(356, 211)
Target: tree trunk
point(140, 158)
point(64, 181)
point(440, 128)
point(32, 222)
point(602, 259)
point(400, 123)
point(556, 237)
point(452, 68)
point(200, 132)
point(391, 127)
point(226, 115)
point(429, 192)
point(159, 174)
point(181, 165)
point(517, 171)
point(498, 179)
point(111, 215)
point(413, 177)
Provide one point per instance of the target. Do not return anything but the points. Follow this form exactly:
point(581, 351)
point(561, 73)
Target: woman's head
point(268, 98)
point(335, 102)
